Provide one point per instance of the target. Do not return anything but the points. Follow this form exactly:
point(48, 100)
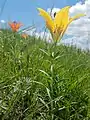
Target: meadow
point(42, 81)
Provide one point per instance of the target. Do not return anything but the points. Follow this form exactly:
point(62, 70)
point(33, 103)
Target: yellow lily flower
point(60, 23)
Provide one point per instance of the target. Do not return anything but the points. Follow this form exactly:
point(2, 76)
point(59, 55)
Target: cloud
point(52, 11)
point(79, 29)
point(2, 21)
point(43, 35)
point(3, 24)
point(78, 32)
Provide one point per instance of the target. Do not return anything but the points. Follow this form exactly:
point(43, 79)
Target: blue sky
point(26, 12)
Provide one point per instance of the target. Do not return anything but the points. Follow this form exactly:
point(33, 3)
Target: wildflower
point(15, 26)
point(58, 26)
point(24, 35)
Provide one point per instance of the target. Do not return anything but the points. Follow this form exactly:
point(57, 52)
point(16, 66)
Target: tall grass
point(40, 81)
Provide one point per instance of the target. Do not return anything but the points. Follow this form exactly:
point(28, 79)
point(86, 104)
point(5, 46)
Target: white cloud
point(3, 24)
point(79, 30)
point(52, 11)
point(2, 21)
point(43, 35)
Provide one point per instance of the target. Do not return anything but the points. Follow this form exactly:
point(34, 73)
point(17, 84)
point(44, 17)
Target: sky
point(25, 11)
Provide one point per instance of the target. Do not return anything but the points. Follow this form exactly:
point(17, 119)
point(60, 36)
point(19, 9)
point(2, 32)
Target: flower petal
point(18, 25)
point(48, 19)
point(62, 16)
point(76, 17)
point(70, 20)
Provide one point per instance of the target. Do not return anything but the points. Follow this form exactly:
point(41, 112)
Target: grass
point(40, 81)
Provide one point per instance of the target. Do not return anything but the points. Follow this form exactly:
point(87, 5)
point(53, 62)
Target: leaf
point(48, 92)
point(44, 103)
point(45, 73)
point(44, 52)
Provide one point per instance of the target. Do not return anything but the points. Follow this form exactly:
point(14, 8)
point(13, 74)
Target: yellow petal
point(64, 30)
point(62, 16)
point(70, 20)
point(48, 19)
point(76, 17)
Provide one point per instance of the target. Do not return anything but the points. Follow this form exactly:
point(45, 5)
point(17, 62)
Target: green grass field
point(41, 81)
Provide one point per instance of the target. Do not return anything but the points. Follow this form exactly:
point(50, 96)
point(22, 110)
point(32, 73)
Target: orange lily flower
point(15, 26)
point(24, 35)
